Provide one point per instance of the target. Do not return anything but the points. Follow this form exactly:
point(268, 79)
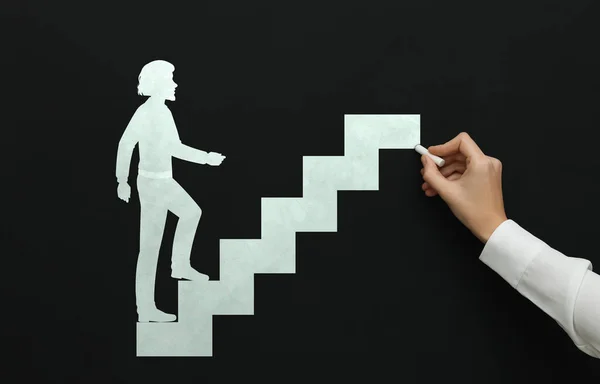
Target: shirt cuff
point(509, 250)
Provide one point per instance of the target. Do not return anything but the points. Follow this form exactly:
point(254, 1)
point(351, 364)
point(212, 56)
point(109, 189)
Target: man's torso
point(158, 137)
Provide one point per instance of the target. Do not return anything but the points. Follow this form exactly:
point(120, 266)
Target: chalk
point(423, 151)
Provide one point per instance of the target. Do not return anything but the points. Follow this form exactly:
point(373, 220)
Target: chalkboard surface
point(398, 292)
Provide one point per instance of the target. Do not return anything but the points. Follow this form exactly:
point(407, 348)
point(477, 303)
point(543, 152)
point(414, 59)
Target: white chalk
point(423, 151)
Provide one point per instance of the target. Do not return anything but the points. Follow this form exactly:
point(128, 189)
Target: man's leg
point(152, 225)
point(189, 214)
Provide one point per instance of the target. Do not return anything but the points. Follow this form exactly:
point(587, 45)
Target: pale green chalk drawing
point(316, 211)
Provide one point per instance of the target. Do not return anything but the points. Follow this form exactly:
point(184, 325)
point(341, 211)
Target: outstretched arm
point(126, 145)
point(187, 153)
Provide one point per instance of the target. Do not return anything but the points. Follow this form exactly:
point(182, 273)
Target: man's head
point(156, 79)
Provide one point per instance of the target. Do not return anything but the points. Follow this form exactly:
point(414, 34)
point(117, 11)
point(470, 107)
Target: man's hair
point(150, 73)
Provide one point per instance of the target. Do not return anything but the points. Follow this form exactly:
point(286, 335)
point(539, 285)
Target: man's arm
point(177, 148)
point(127, 143)
point(184, 152)
point(564, 287)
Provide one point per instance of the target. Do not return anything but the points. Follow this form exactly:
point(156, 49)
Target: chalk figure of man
point(153, 129)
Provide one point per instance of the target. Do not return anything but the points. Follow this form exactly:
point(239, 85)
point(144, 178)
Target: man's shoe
point(155, 316)
point(189, 274)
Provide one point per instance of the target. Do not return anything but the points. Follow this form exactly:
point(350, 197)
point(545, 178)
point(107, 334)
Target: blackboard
point(398, 291)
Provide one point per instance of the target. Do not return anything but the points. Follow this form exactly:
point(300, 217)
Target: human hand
point(469, 182)
point(124, 192)
point(215, 158)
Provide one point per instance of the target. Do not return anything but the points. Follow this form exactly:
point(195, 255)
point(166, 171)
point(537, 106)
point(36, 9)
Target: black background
point(398, 291)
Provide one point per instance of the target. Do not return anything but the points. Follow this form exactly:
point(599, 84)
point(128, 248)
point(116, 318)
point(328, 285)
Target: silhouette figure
point(153, 128)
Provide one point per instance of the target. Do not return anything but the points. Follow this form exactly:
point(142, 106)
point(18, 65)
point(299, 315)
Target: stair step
point(175, 339)
point(323, 174)
point(223, 297)
point(238, 257)
point(365, 132)
point(268, 255)
point(280, 216)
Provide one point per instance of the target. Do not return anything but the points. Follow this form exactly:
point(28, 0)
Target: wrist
point(487, 229)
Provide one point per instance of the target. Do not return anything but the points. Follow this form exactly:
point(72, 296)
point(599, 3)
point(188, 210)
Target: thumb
point(432, 175)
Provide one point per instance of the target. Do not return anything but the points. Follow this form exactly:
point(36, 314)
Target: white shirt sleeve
point(563, 287)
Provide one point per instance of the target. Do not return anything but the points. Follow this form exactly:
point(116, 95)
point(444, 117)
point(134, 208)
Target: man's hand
point(215, 158)
point(124, 192)
point(470, 183)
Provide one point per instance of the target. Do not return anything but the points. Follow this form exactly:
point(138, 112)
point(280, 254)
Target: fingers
point(453, 176)
point(449, 169)
point(457, 163)
point(430, 192)
point(432, 175)
point(462, 143)
point(454, 158)
point(450, 172)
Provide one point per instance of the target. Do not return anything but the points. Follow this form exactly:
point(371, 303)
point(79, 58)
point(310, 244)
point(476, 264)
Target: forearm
point(549, 279)
point(184, 152)
point(124, 153)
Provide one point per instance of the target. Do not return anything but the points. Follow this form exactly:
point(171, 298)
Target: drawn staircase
point(275, 251)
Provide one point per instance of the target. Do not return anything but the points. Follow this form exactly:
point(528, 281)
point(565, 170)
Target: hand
point(469, 182)
point(215, 158)
point(124, 192)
